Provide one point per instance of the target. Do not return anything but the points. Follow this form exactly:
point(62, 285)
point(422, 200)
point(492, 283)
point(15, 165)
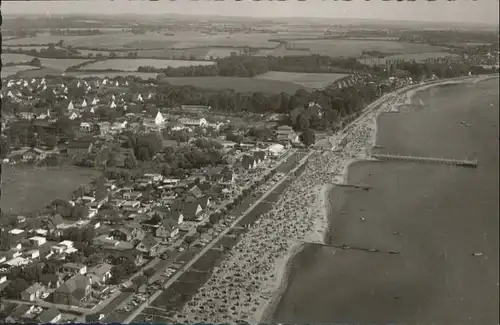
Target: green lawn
point(29, 189)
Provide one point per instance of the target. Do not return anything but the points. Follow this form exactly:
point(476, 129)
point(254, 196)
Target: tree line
point(251, 66)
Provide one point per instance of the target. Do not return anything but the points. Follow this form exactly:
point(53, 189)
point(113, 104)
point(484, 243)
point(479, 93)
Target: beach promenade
point(252, 276)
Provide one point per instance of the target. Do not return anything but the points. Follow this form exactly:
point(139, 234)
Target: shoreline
point(375, 111)
point(259, 266)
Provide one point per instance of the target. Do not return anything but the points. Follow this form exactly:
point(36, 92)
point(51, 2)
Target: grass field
point(9, 71)
point(61, 64)
point(82, 74)
point(26, 189)
point(133, 64)
point(38, 73)
point(419, 57)
point(238, 84)
point(353, 48)
point(15, 58)
point(25, 48)
point(152, 40)
point(308, 80)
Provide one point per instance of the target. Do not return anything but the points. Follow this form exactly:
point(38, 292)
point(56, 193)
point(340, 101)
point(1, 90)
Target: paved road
point(209, 246)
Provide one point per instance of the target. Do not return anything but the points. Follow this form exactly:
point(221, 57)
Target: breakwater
point(456, 162)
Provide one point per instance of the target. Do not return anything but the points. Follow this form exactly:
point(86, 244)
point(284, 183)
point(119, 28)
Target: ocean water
point(437, 216)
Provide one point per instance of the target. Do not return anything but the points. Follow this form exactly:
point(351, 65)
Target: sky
point(467, 11)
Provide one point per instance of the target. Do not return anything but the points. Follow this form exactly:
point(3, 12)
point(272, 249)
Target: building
point(74, 268)
point(100, 274)
point(33, 292)
point(192, 122)
point(74, 291)
point(159, 119)
point(49, 316)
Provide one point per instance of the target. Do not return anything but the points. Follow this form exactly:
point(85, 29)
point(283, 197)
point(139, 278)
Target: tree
point(214, 218)
point(303, 122)
point(130, 162)
point(35, 62)
point(307, 137)
point(189, 240)
point(148, 273)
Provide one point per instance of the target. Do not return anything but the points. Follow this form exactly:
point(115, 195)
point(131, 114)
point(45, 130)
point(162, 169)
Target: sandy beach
point(254, 274)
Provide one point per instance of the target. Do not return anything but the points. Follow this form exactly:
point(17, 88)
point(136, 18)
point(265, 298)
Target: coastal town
point(193, 210)
point(116, 241)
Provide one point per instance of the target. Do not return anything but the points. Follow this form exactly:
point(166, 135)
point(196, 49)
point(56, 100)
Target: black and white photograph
point(249, 162)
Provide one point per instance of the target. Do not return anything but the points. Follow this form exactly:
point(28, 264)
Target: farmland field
point(82, 74)
point(9, 71)
point(61, 64)
point(25, 48)
point(308, 80)
point(133, 64)
point(27, 189)
point(37, 73)
point(419, 57)
point(238, 84)
point(152, 40)
point(15, 58)
point(353, 48)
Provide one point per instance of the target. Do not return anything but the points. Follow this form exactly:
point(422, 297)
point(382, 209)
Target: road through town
point(211, 245)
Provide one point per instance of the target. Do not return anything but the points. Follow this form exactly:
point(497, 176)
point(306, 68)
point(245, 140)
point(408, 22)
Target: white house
point(95, 101)
point(84, 103)
point(193, 122)
point(85, 126)
point(71, 106)
point(37, 240)
point(73, 116)
point(159, 119)
point(139, 98)
point(113, 105)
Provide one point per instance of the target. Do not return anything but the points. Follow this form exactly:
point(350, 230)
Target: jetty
point(456, 162)
point(347, 247)
point(362, 187)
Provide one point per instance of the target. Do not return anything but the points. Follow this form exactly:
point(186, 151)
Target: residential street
point(209, 246)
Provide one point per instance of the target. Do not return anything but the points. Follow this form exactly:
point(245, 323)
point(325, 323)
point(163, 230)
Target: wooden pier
point(354, 248)
point(456, 162)
point(362, 187)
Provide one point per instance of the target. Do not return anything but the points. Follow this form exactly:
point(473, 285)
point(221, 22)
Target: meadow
point(29, 189)
point(82, 74)
point(10, 71)
point(133, 64)
point(352, 48)
point(238, 84)
point(308, 80)
point(152, 40)
point(8, 58)
point(61, 64)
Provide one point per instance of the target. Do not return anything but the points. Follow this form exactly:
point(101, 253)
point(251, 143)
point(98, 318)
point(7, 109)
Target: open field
point(238, 84)
point(353, 48)
point(15, 58)
point(133, 64)
point(82, 74)
point(9, 71)
point(61, 64)
point(153, 40)
point(25, 48)
point(28, 189)
point(37, 73)
point(419, 57)
point(309, 80)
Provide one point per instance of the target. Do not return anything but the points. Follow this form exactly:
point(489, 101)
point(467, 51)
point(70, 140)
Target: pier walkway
point(456, 162)
point(347, 247)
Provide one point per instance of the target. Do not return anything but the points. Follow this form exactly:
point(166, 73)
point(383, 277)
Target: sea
point(443, 220)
